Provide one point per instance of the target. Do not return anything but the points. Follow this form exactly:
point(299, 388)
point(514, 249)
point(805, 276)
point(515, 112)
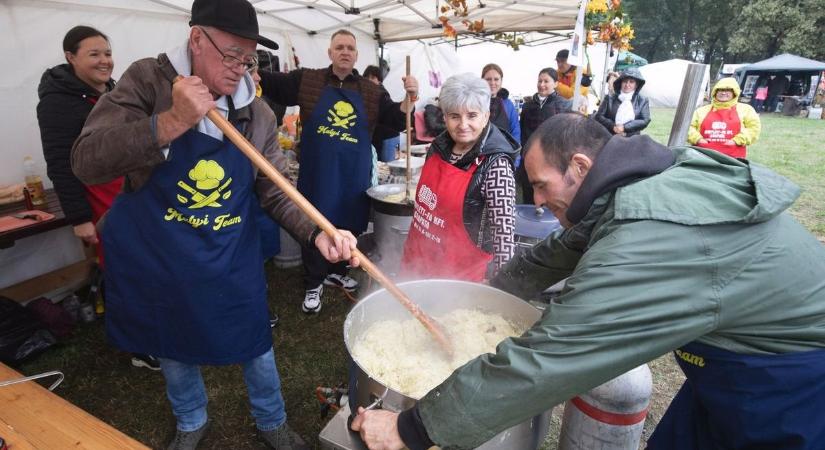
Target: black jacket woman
point(626, 112)
point(544, 104)
point(67, 94)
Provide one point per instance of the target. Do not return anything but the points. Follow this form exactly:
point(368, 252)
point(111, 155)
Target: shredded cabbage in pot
point(404, 356)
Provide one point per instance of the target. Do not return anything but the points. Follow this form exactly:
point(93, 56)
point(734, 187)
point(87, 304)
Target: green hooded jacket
point(704, 251)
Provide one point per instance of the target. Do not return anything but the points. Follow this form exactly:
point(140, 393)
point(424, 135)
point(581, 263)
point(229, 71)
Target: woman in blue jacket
point(502, 112)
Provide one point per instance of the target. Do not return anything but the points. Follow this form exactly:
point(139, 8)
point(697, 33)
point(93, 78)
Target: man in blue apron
point(339, 112)
point(664, 249)
point(185, 275)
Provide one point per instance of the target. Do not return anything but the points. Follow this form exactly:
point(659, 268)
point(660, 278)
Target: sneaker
point(312, 300)
point(342, 281)
point(283, 438)
point(188, 440)
point(149, 362)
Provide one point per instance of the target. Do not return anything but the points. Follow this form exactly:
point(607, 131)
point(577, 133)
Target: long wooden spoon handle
point(409, 138)
point(281, 181)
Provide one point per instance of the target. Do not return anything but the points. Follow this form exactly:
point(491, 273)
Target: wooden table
point(32, 417)
point(51, 206)
point(39, 285)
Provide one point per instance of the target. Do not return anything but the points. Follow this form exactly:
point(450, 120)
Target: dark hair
point(344, 32)
point(551, 72)
point(373, 71)
point(490, 67)
point(71, 42)
point(563, 135)
point(563, 54)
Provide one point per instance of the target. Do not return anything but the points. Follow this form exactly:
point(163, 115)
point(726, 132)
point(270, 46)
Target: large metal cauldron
point(391, 224)
point(438, 297)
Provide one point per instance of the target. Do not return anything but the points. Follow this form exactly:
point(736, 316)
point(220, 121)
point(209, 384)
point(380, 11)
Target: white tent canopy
point(33, 31)
point(397, 20)
point(664, 80)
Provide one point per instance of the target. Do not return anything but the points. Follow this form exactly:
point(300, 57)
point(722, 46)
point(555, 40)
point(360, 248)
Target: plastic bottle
point(34, 182)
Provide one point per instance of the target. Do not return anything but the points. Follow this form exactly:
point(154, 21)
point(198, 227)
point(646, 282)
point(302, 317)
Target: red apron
point(438, 245)
point(100, 198)
point(719, 126)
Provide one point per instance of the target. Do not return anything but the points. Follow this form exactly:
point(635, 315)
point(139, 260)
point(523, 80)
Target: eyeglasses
point(231, 62)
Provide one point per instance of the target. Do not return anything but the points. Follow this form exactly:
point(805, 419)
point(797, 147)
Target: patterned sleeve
point(499, 191)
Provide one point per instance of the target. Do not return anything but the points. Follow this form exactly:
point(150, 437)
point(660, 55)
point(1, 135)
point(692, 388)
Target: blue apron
point(336, 159)
point(733, 401)
point(184, 273)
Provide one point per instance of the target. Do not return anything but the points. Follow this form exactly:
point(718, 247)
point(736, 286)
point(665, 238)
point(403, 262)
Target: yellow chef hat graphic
point(206, 174)
point(342, 114)
point(343, 109)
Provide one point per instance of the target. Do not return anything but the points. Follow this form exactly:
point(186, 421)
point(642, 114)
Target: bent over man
point(666, 249)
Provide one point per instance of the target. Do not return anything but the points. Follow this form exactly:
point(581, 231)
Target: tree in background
point(770, 27)
point(711, 32)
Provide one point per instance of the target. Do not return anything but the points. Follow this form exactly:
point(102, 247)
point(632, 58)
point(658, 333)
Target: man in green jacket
point(665, 249)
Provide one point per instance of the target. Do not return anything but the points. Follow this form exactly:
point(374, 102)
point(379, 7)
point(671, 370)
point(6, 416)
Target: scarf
point(625, 113)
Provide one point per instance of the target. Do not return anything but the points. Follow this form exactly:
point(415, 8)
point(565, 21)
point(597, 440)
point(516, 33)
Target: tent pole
point(691, 91)
point(606, 70)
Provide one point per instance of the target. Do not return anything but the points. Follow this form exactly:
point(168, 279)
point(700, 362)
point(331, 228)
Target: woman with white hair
point(464, 205)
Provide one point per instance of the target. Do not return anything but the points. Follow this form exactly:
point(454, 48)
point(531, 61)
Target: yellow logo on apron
point(207, 176)
point(342, 115)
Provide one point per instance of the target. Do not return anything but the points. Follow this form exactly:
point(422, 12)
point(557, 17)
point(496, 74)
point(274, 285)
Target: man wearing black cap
point(185, 279)
point(339, 112)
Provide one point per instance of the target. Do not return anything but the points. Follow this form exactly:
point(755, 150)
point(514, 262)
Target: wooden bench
point(34, 418)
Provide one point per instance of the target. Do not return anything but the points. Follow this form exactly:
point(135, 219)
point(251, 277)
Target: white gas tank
point(609, 417)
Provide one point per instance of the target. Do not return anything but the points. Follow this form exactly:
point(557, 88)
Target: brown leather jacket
point(303, 87)
point(117, 139)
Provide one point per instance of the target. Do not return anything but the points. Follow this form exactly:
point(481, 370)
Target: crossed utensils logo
point(427, 197)
point(342, 114)
point(207, 176)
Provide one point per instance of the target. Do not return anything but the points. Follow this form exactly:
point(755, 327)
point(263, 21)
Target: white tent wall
point(32, 35)
point(663, 82)
point(32, 42)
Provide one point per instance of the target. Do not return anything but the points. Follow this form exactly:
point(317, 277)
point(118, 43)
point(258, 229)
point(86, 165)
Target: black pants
point(316, 267)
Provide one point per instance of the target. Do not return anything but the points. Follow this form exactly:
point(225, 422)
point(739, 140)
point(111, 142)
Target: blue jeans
point(187, 394)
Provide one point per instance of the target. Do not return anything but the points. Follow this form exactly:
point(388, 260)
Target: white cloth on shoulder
point(625, 113)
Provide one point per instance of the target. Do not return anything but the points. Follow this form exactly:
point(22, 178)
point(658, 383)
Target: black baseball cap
point(236, 17)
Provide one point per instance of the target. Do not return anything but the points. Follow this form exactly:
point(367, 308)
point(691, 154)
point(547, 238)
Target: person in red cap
point(185, 274)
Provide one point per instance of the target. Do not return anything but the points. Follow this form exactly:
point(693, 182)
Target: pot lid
point(534, 222)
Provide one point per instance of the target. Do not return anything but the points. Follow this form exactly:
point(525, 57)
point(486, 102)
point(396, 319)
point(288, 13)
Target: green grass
point(310, 349)
point(791, 146)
